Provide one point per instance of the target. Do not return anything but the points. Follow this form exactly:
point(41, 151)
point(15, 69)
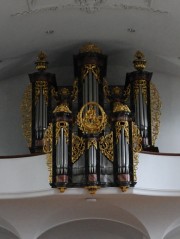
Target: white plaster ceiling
point(60, 27)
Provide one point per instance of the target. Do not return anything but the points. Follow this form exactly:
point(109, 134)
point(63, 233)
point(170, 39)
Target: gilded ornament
point(127, 92)
point(106, 146)
point(116, 90)
point(47, 148)
point(155, 112)
point(65, 126)
point(47, 140)
point(139, 62)
point(75, 90)
point(92, 189)
point(91, 119)
point(64, 91)
point(62, 108)
point(41, 86)
point(41, 63)
point(118, 107)
point(62, 189)
point(137, 147)
point(93, 68)
point(90, 47)
point(106, 90)
point(78, 147)
point(140, 85)
point(26, 110)
point(136, 138)
point(124, 188)
point(54, 93)
point(92, 142)
point(119, 125)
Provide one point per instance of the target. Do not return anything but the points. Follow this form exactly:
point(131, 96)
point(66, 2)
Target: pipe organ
point(95, 131)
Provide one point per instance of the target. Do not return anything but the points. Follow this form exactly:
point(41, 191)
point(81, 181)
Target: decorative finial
point(90, 47)
point(41, 63)
point(140, 61)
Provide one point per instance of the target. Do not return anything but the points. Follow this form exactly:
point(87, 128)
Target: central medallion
point(91, 119)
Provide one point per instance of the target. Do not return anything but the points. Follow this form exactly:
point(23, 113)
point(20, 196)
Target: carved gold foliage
point(91, 68)
point(26, 110)
point(137, 147)
point(155, 112)
point(89, 121)
point(47, 140)
point(119, 125)
point(78, 147)
point(41, 86)
point(47, 148)
point(135, 165)
point(136, 138)
point(106, 146)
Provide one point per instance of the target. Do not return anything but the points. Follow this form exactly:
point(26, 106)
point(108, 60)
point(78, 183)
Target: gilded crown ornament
point(62, 108)
point(140, 61)
point(90, 47)
point(41, 63)
point(118, 107)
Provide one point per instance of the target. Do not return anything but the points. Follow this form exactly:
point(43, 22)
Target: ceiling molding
point(88, 6)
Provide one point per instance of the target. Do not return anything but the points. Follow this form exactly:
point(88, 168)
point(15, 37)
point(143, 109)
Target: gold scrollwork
point(106, 90)
point(140, 84)
point(155, 112)
point(26, 111)
point(119, 125)
point(91, 68)
point(65, 126)
point(78, 147)
point(136, 138)
point(41, 86)
point(47, 148)
point(75, 90)
point(47, 140)
point(91, 119)
point(92, 142)
point(106, 146)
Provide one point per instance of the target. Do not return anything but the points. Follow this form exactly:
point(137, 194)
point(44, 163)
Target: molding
point(89, 6)
point(106, 192)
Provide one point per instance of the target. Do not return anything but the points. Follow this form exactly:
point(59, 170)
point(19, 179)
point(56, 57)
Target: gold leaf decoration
point(155, 112)
point(106, 146)
point(26, 111)
point(78, 147)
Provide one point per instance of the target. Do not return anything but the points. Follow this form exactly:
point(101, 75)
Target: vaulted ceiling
point(60, 27)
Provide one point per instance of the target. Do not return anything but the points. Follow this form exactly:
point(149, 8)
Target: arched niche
point(93, 228)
